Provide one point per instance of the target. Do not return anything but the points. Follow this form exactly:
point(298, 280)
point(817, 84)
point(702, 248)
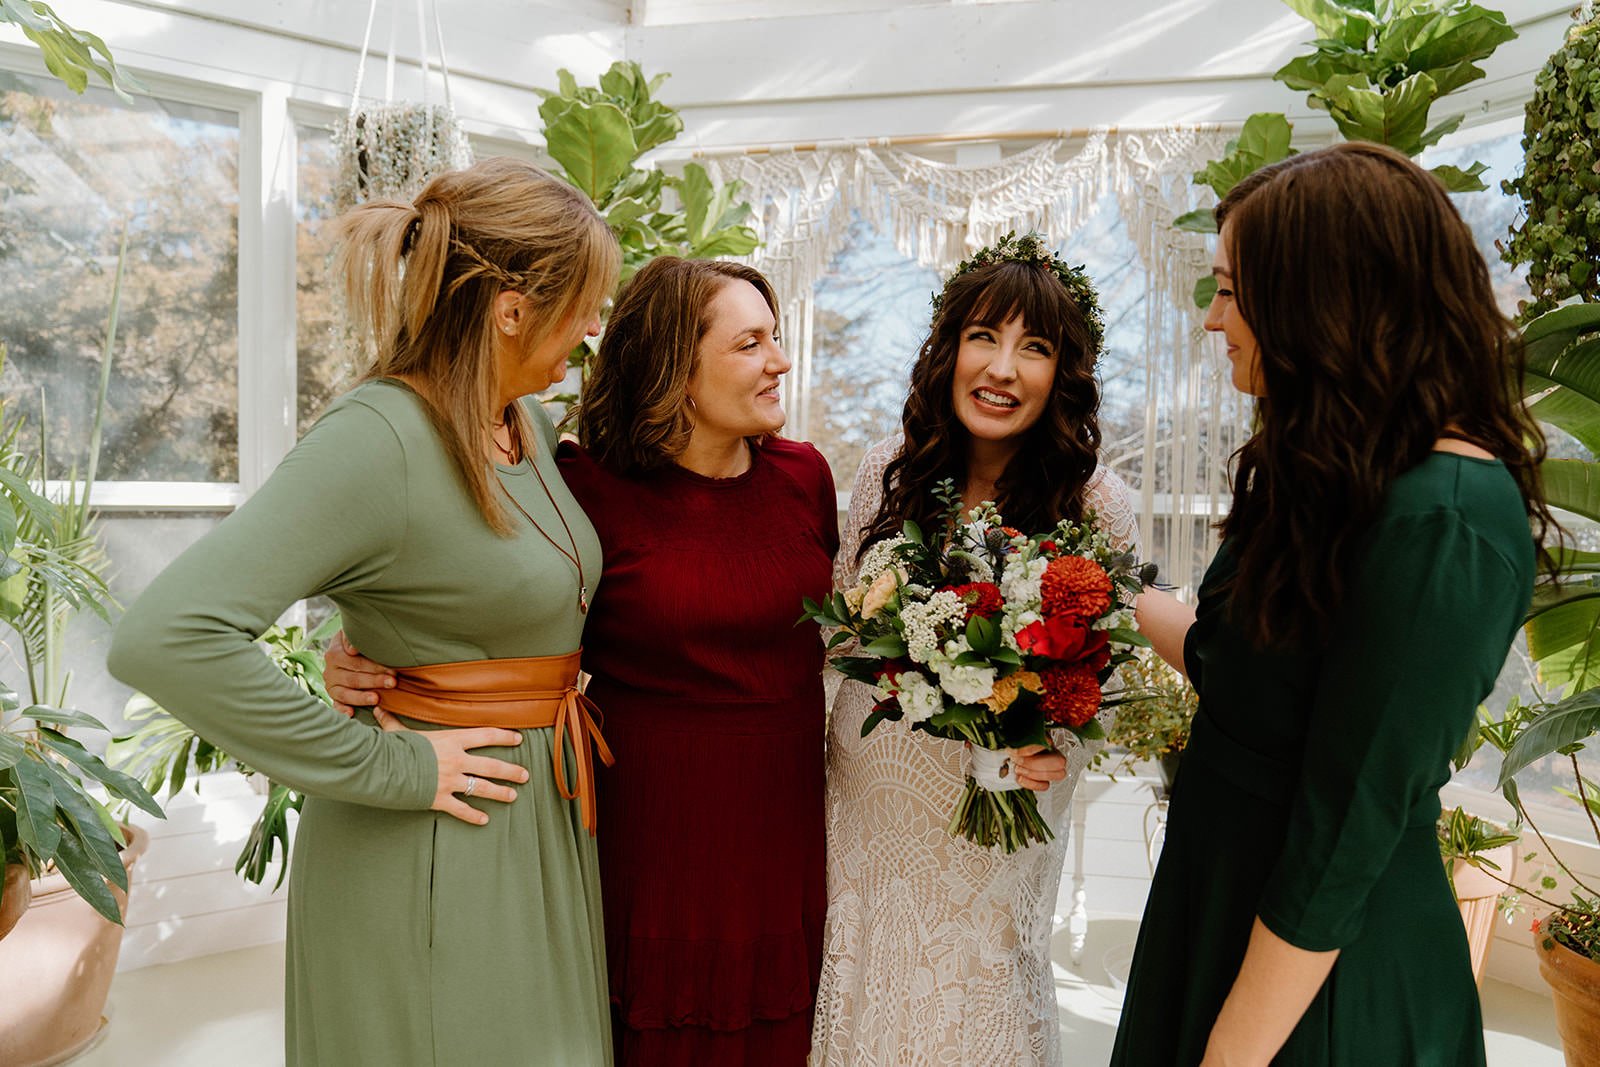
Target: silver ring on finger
point(472, 785)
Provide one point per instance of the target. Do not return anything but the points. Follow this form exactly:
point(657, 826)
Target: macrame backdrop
point(938, 213)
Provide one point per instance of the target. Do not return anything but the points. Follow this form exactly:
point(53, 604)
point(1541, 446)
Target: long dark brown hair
point(1044, 482)
point(1379, 335)
point(634, 415)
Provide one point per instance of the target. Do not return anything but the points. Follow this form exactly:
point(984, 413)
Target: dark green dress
point(1309, 791)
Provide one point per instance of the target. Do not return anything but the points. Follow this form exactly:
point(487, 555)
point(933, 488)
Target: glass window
point(75, 171)
point(323, 365)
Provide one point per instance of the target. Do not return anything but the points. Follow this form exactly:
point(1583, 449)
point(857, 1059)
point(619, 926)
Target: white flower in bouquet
point(918, 698)
point(965, 684)
point(1020, 586)
point(1117, 620)
point(922, 622)
point(877, 559)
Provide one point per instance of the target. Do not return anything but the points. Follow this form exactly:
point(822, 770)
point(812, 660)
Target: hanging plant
point(1558, 236)
point(392, 151)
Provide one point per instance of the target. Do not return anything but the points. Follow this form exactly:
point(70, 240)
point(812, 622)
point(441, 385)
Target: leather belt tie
point(531, 693)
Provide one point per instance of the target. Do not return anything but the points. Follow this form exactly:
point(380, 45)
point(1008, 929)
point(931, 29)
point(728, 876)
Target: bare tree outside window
point(73, 172)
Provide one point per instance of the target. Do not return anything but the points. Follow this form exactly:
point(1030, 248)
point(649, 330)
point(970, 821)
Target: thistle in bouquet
point(987, 635)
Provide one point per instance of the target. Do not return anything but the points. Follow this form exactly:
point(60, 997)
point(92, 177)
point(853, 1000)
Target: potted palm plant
point(58, 956)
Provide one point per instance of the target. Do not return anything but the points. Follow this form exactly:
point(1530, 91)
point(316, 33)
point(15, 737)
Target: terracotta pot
point(1476, 895)
point(14, 897)
point(1575, 983)
point(56, 969)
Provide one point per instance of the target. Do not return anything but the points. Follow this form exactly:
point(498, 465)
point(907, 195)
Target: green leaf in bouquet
point(1090, 731)
point(889, 646)
point(1023, 722)
point(1006, 657)
point(983, 635)
point(957, 715)
point(859, 668)
point(892, 714)
point(839, 607)
point(1125, 636)
point(971, 659)
point(911, 532)
point(840, 638)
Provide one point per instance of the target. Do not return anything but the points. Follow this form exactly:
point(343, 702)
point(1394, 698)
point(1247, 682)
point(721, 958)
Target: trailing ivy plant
point(597, 134)
point(1558, 236)
point(1377, 68)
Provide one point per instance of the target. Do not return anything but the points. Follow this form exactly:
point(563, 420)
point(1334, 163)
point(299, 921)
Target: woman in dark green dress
point(1374, 568)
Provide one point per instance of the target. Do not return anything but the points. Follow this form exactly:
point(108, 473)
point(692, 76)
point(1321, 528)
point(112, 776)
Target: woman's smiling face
point(1003, 377)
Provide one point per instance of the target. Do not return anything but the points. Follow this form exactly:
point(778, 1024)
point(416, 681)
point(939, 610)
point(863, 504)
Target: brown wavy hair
point(634, 415)
point(1379, 335)
point(423, 276)
point(1044, 482)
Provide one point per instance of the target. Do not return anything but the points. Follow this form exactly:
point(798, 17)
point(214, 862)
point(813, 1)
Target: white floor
point(227, 1009)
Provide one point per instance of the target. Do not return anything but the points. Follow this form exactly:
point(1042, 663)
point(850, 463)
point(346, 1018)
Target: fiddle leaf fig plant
point(72, 55)
point(1377, 67)
point(1558, 234)
point(597, 135)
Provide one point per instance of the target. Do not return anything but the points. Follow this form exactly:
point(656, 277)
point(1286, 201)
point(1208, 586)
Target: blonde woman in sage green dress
point(444, 902)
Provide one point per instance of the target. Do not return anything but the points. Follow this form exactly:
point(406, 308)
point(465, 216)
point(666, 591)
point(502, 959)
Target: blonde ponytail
point(423, 277)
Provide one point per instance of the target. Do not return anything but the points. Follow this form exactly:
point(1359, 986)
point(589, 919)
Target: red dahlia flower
point(1073, 585)
point(981, 598)
point(1071, 695)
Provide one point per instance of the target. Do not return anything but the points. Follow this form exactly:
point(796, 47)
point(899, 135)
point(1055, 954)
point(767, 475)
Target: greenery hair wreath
point(1031, 248)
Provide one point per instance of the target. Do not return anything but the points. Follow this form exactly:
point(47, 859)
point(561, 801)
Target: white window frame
point(265, 321)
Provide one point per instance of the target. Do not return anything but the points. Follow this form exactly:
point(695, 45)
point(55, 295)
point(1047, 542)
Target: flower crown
point(1030, 248)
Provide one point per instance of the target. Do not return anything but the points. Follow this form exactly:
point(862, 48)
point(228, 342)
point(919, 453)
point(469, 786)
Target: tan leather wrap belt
point(530, 693)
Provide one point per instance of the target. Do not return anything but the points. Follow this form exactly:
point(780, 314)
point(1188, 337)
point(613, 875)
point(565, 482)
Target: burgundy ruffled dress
point(711, 822)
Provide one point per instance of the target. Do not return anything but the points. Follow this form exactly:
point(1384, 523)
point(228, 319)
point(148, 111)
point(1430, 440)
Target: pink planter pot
point(56, 968)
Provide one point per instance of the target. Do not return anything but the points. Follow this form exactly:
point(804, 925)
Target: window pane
point(323, 363)
point(872, 314)
point(74, 170)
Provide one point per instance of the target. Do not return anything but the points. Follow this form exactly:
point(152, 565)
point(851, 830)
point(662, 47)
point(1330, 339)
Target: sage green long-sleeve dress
point(414, 938)
point(1309, 791)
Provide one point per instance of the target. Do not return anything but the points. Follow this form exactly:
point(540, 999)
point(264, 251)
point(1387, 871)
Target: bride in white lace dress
point(936, 950)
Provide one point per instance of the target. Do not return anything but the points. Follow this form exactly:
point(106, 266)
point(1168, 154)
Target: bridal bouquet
point(990, 636)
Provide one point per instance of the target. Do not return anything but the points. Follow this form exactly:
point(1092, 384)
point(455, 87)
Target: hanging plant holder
point(390, 150)
point(393, 149)
point(1557, 235)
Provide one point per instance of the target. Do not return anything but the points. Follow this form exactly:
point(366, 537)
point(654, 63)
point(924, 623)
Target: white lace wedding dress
point(936, 950)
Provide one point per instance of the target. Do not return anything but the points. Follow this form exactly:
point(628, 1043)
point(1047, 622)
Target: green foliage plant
point(1155, 727)
point(1377, 67)
point(71, 55)
point(1525, 735)
point(1558, 235)
point(597, 136)
point(50, 562)
point(162, 752)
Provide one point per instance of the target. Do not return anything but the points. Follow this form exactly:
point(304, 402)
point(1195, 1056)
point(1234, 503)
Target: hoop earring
point(690, 400)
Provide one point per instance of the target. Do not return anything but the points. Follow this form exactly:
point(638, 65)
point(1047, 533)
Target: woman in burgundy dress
point(711, 821)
